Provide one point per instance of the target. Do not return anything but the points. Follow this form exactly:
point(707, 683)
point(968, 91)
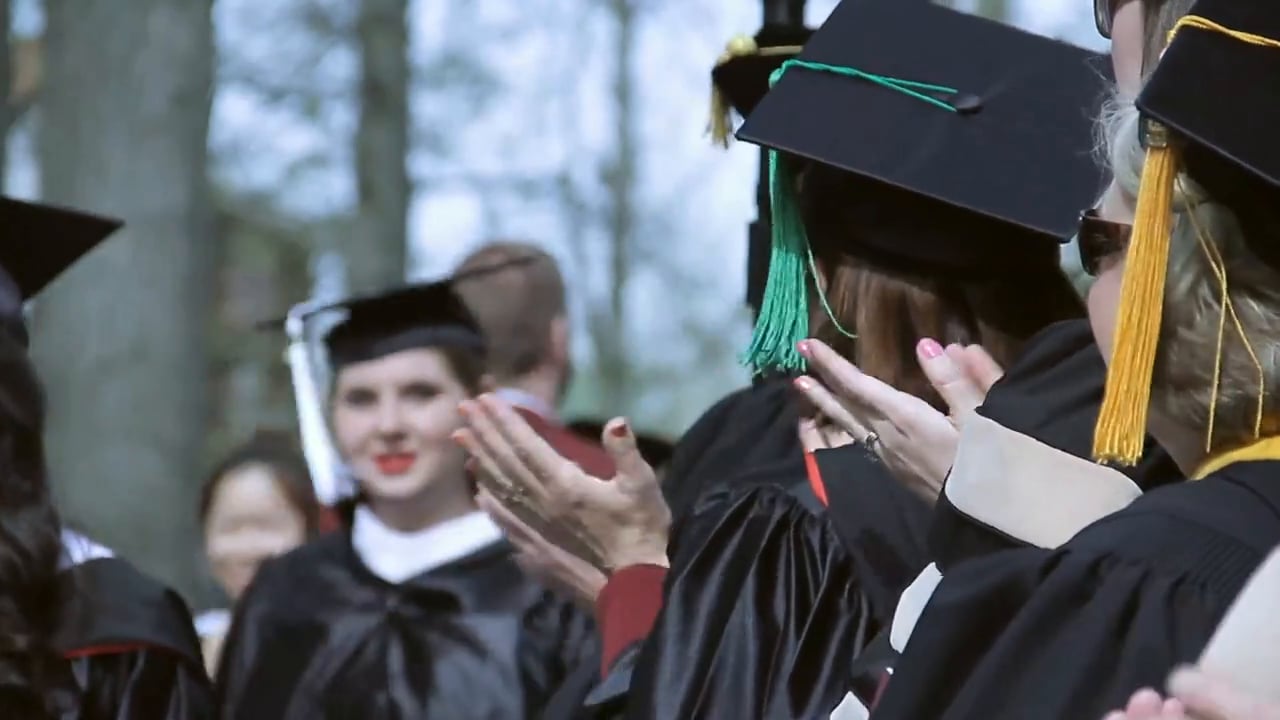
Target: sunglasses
point(1098, 239)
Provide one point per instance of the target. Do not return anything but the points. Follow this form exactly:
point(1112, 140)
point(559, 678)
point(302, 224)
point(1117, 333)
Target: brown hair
point(1158, 19)
point(515, 306)
point(276, 451)
point(890, 309)
point(467, 365)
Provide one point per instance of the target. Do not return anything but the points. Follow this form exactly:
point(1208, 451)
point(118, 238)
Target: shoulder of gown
point(762, 614)
point(883, 525)
point(131, 644)
point(315, 623)
point(748, 428)
point(1071, 632)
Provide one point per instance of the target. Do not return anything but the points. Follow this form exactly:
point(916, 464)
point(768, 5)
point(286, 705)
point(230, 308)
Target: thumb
point(947, 376)
point(621, 444)
point(1209, 698)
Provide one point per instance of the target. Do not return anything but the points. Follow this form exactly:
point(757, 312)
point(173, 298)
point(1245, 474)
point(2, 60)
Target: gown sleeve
point(761, 619)
point(1071, 633)
point(131, 646)
point(145, 684)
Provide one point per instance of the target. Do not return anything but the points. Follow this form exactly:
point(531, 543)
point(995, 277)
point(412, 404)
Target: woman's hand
point(914, 440)
point(1193, 695)
point(543, 560)
point(1208, 698)
point(624, 520)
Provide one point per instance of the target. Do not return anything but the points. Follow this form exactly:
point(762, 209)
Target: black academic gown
point(319, 637)
point(1070, 633)
point(132, 647)
point(766, 604)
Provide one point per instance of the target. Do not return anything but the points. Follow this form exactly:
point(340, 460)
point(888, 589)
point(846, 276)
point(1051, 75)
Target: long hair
point(30, 545)
point(891, 306)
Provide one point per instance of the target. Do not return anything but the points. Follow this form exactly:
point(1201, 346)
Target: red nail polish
point(803, 348)
point(619, 430)
point(930, 348)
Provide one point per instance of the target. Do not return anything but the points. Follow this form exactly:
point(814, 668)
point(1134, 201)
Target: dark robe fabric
point(765, 606)
point(1070, 633)
point(750, 427)
point(762, 613)
point(131, 646)
point(319, 637)
point(1051, 393)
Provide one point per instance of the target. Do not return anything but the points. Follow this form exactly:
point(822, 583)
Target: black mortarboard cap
point(413, 316)
point(960, 145)
point(1211, 107)
point(1214, 88)
point(37, 243)
point(740, 77)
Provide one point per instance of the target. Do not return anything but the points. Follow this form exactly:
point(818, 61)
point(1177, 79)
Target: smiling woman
point(416, 572)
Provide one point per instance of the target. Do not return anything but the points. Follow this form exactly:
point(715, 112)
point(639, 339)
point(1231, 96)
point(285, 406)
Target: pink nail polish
point(929, 348)
point(803, 347)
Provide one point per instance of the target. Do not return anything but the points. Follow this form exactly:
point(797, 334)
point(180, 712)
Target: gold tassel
point(720, 123)
point(1122, 420)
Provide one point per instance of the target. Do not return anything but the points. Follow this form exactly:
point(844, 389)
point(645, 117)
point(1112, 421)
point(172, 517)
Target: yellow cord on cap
point(1122, 420)
point(719, 125)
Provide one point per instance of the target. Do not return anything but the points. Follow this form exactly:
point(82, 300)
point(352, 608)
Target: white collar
point(396, 556)
point(77, 549)
point(534, 404)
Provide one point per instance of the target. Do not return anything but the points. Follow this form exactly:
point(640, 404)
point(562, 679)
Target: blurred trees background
point(266, 150)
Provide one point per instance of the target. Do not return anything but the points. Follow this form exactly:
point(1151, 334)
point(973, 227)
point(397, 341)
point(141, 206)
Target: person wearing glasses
point(1186, 319)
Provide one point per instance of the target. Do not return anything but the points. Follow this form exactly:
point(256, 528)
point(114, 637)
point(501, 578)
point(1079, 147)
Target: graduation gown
point(762, 613)
point(1071, 632)
point(131, 647)
point(767, 602)
point(318, 636)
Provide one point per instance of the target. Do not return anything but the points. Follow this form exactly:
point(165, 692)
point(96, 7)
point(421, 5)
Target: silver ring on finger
point(871, 440)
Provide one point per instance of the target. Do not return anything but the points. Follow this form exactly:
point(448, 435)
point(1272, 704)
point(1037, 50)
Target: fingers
point(531, 448)
point(827, 405)
point(983, 368)
point(498, 455)
point(1208, 698)
point(1146, 703)
point(949, 378)
point(489, 476)
point(847, 381)
point(620, 442)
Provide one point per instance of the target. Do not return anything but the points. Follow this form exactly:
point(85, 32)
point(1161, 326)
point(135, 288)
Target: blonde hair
point(1188, 350)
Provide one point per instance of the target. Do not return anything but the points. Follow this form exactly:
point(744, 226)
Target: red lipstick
point(395, 463)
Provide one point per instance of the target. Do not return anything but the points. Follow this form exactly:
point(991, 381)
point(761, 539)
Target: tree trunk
point(620, 180)
point(376, 252)
point(121, 341)
point(6, 99)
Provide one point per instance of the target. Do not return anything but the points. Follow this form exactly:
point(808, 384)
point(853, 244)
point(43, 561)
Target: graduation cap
point(424, 315)
point(655, 450)
point(740, 77)
point(1210, 108)
point(960, 145)
point(38, 243)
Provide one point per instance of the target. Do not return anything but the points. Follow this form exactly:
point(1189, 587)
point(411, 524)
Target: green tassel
point(784, 313)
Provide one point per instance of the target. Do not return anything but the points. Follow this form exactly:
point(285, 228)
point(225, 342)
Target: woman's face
point(249, 521)
point(392, 420)
point(1127, 45)
point(1104, 294)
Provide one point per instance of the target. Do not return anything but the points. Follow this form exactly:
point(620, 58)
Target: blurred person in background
point(517, 293)
point(255, 504)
